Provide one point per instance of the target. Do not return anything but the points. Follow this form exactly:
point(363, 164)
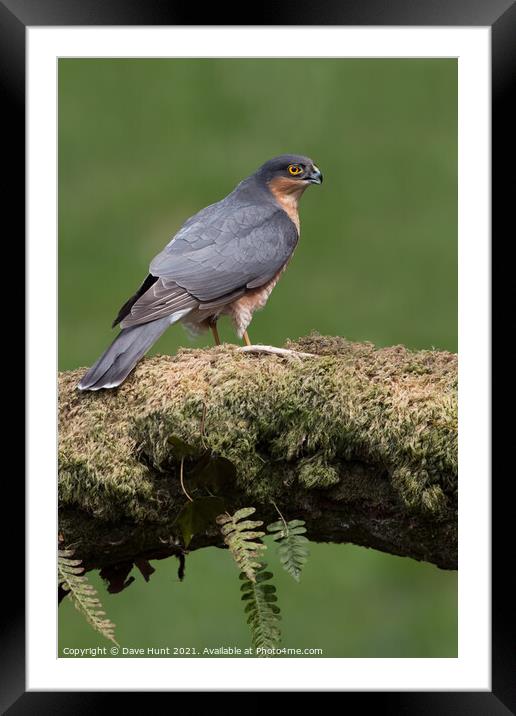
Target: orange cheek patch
point(287, 191)
point(287, 185)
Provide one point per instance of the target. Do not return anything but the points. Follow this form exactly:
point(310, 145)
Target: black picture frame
point(500, 15)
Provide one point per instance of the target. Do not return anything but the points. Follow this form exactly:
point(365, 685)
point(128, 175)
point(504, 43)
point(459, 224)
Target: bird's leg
point(247, 340)
point(215, 332)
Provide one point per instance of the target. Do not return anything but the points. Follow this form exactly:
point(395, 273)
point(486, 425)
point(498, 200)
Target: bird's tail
point(131, 344)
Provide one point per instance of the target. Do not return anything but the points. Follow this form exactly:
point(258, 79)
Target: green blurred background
point(143, 144)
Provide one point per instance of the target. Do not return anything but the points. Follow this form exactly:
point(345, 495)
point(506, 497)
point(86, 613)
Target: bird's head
point(290, 173)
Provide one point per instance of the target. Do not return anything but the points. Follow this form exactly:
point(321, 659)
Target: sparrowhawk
point(224, 260)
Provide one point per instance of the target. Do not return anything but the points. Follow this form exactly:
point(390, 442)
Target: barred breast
point(241, 311)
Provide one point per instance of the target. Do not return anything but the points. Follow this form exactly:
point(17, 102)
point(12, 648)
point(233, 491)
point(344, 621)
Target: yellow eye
point(294, 169)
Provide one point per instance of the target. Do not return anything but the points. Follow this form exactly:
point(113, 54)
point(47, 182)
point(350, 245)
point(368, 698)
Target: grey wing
point(214, 257)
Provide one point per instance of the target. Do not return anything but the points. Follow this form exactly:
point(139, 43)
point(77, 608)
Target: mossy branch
point(359, 442)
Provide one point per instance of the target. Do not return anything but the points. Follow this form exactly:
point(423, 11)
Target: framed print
point(310, 484)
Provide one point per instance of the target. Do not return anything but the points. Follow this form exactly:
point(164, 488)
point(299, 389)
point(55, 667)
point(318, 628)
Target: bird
point(224, 260)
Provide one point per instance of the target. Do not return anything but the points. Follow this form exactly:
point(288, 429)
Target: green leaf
point(263, 614)
point(243, 512)
point(240, 535)
point(214, 473)
point(197, 515)
point(291, 544)
point(180, 449)
point(297, 523)
point(71, 578)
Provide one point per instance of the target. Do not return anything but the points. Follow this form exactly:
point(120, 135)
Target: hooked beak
point(315, 176)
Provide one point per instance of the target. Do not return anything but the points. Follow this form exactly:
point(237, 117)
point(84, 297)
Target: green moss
point(315, 472)
point(277, 420)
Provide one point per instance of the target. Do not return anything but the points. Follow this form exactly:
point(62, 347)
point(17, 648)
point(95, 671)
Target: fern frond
point(71, 578)
point(263, 614)
point(240, 536)
point(292, 545)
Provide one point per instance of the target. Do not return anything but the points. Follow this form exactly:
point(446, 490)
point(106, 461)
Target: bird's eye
point(294, 169)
